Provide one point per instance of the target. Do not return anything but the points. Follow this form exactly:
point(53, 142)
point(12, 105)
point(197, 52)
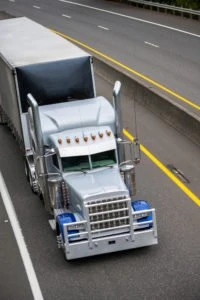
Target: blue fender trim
point(138, 205)
point(63, 219)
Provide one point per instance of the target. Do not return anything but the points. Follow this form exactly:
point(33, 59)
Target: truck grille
point(109, 213)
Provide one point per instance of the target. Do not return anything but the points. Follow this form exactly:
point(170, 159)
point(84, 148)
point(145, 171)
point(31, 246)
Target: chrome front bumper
point(109, 244)
point(90, 245)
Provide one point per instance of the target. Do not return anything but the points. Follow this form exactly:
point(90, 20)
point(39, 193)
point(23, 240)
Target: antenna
point(135, 118)
point(136, 144)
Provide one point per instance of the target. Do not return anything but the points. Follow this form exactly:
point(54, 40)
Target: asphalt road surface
point(169, 56)
point(13, 280)
point(170, 270)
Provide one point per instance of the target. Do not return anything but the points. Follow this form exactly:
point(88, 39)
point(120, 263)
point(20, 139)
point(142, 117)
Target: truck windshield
point(103, 159)
point(75, 163)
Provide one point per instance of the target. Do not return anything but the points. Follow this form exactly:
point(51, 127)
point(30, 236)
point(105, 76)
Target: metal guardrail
point(175, 9)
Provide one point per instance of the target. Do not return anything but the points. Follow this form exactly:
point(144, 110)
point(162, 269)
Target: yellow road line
point(158, 85)
point(189, 193)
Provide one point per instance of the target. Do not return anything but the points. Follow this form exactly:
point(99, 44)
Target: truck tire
point(26, 170)
point(41, 198)
point(33, 184)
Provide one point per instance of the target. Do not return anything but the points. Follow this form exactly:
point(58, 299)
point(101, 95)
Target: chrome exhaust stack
point(117, 108)
point(55, 191)
point(36, 124)
point(118, 120)
point(125, 148)
point(41, 173)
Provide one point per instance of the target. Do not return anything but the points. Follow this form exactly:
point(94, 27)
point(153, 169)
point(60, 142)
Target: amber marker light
point(93, 137)
point(68, 140)
point(60, 141)
point(77, 139)
point(108, 132)
point(85, 138)
point(101, 135)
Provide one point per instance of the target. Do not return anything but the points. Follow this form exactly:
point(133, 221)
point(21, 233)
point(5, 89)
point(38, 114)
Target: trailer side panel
point(8, 96)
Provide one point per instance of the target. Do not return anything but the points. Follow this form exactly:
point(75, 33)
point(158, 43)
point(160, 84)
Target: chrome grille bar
point(109, 214)
point(101, 202)
point(110, 228)
point(108, 211)
point(109, 220)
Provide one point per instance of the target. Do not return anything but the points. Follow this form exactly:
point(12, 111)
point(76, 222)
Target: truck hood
point(101, 183)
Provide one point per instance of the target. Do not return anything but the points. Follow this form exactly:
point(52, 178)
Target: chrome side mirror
point(50, 152)
point(117, 89)
point(136, 151)
point(130, 150)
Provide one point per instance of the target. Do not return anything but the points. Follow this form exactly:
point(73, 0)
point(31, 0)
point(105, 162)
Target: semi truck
point(75, 157)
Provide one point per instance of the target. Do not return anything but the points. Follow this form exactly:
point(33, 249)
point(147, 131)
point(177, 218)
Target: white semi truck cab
point(75, 156)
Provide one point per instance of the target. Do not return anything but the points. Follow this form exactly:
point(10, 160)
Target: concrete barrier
point(5, 15)
point(174, 114)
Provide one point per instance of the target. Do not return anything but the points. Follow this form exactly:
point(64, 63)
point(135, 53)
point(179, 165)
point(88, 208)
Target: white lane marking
point(34, 284)
point(12, 0)
point(150, 44)
point(52, 224)
point(66, 16)
point(104, 28)
point(132, 18)
point(38, 7)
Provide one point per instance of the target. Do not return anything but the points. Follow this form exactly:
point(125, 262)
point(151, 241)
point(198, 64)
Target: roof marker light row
point(85, 138)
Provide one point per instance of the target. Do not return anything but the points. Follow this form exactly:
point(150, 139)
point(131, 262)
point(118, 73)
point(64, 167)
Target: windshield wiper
point(109, 166)
point(102, 166)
